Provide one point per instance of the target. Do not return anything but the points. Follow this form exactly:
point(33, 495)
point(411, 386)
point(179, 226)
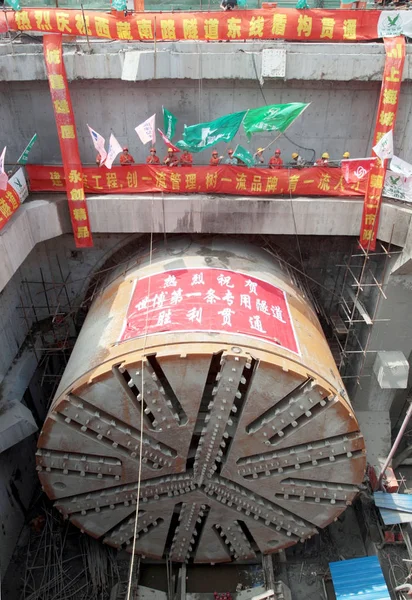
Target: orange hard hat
point(230, 151)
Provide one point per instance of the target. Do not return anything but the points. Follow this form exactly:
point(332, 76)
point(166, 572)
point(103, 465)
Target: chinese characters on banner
point(209, 300)
point(314, 181)
point(285, 23)
point(385, 121)
point(66, 128)
point(9, 203)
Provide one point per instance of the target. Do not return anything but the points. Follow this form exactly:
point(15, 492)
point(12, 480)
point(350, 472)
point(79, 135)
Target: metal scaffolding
point(360, 287)
point(51, 317)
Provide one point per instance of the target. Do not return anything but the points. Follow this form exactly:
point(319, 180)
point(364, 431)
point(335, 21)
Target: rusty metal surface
point(246, 448)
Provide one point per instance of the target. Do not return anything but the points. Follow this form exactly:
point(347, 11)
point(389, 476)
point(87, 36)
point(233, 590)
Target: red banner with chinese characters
point(211, 300)
point(9, 203)
point(225, 179)
point(385, 121)
point(267, 24)
point(66, 128)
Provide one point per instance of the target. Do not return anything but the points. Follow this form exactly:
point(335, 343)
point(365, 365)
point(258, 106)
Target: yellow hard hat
point(295, 155)
point(260, 150)
point(170, 149)
point(346, 155)
point(325, 155)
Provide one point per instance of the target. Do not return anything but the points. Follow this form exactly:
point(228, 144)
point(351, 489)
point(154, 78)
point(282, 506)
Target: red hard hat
point(152, 149)
point(277, 151)
point(125, 149)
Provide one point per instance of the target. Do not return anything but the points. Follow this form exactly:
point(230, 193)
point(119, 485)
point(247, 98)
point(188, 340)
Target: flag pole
point(282, 132)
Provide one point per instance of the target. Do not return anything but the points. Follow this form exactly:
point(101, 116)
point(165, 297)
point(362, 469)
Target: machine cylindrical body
point(249, 441)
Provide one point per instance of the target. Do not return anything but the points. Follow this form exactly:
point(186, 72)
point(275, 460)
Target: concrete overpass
point(46, 216)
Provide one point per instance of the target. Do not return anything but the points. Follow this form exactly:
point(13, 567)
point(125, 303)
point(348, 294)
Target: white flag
point(3, 175)
point(147, 131)
point(401, 166)
point(384, 148)
point(98, 142)
point(114, 149)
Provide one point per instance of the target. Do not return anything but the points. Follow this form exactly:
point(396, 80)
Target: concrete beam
point(136, 61)
point(16, 424)
point(43, 219)
point(34, 222)
point(391, 370)
point(16, 420)
point(403, 265)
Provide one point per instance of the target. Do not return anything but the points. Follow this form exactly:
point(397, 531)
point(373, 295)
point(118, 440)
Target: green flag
point(276, 117)
point(14, 4)
point(23, 158)
point(169, 121)
point(243, 155)
point(198, 137)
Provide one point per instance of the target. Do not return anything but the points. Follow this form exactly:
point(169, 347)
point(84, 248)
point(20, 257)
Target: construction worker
point(215, 159)
point(276, 162)
point(231, 160)
point(298, 161)
point(228, 4)
point(186, 160)
point(259, 159)
point(152, 159)
point(323, 161)
point(126, 159)
point(170, 159)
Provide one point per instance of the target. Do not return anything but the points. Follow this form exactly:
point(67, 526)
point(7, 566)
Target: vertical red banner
point(385, 121)
point(66, 128)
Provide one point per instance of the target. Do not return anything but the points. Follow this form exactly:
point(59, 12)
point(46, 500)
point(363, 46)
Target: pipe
point(407, 587)
point(395, 445)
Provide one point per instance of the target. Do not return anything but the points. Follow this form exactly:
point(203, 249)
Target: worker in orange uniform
point(152, 159)
point(215, 159)
point(126, 159)
point(323, 161)
point(186, 160)
point(231, 160)
point(171, 160)
point(276, 162)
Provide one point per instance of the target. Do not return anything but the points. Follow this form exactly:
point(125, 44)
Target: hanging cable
point(139, 478)
point(312, 160)
point(290, 192)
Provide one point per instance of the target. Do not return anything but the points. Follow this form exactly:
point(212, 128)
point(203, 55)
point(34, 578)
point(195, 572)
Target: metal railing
point(162, 5)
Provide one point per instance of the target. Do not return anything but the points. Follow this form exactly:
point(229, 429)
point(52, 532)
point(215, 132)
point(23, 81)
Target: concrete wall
point(17, 481)
point(341, 115)
point(142, 61)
